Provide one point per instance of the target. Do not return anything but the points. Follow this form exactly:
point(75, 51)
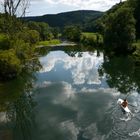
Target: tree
point(56, 32)
point(72, 33)
point(43, 29)
point(137, 17)
point(15, 7)
point(120, 30)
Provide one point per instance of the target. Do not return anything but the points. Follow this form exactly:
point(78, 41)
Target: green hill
point(81, 17)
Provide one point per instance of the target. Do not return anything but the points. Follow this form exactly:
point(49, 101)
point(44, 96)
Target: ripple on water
point(135, 133)
point(124, 124)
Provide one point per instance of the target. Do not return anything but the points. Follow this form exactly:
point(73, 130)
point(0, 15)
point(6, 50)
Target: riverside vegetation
point(18, 41)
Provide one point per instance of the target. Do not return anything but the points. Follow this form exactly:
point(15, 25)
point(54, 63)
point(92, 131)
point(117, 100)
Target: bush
point(4, 42)
point(22, 49)
point(9, 64)
point(29, 36)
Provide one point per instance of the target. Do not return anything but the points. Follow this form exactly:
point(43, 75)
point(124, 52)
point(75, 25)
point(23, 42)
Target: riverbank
point(55, 43)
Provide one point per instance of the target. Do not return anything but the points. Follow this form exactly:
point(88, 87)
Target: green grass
point(89, 35)
point(50, 42)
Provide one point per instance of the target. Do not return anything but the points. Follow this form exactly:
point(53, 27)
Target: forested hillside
point(84, 18)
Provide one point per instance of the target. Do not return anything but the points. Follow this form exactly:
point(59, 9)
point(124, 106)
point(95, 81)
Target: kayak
point(126, 109)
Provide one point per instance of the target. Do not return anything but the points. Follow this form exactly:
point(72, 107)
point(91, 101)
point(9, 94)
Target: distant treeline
point(85, 19)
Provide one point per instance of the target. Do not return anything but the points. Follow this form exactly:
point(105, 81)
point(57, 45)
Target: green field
point(89, 34)
point(50, 42)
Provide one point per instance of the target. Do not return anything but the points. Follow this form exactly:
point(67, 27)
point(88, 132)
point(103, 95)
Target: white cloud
point(86, 4)
point(110, 91)
point(84, 69)
point(65, 95)
point(41, 7)
point(43, 84)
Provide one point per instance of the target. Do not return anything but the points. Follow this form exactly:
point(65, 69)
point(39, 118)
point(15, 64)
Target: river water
point(72, 97)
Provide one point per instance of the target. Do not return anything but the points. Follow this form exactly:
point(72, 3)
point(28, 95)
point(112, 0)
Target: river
point(72, 97)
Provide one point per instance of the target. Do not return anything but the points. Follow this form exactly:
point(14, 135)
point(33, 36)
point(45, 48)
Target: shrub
point(9, 64)
point(4, 42)
point(29, 36)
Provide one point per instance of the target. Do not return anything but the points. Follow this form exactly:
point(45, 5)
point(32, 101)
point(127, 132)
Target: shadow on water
point(121, 73)
point(16, 108)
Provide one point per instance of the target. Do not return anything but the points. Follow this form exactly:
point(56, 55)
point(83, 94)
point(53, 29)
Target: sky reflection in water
point(70, 100)
point(72, 97)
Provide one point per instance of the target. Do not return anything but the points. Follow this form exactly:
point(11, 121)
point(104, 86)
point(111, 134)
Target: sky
point(42, 7)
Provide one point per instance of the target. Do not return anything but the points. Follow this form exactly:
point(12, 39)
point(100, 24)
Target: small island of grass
point(50, 42)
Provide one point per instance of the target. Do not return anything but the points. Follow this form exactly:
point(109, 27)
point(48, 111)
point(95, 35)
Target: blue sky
point(41, 7)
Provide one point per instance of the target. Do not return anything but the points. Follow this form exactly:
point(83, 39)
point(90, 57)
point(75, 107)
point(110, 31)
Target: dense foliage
point(120, 26)
point(72, 33)
point(120, 30)
point(135, 4)
point(42, 28)
point(9, 64)
point(17, 44)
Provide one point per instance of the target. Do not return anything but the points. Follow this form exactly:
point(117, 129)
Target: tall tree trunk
point(15, 7)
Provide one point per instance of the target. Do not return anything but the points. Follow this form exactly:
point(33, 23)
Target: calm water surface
point(72, 97)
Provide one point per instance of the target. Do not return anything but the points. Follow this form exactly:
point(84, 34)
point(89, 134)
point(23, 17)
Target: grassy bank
point(50, 42)
point(87, 34)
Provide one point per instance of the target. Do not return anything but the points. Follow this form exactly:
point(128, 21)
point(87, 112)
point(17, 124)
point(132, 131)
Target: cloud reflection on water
point(82, 121)
point(84, 70)
point(77, 101)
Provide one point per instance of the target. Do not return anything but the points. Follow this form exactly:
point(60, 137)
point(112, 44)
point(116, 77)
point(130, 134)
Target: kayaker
point(124, 103)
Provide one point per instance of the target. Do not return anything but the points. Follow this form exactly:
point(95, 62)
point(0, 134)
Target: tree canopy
point(120, 30)
point(118, 27)
point(72, 33)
